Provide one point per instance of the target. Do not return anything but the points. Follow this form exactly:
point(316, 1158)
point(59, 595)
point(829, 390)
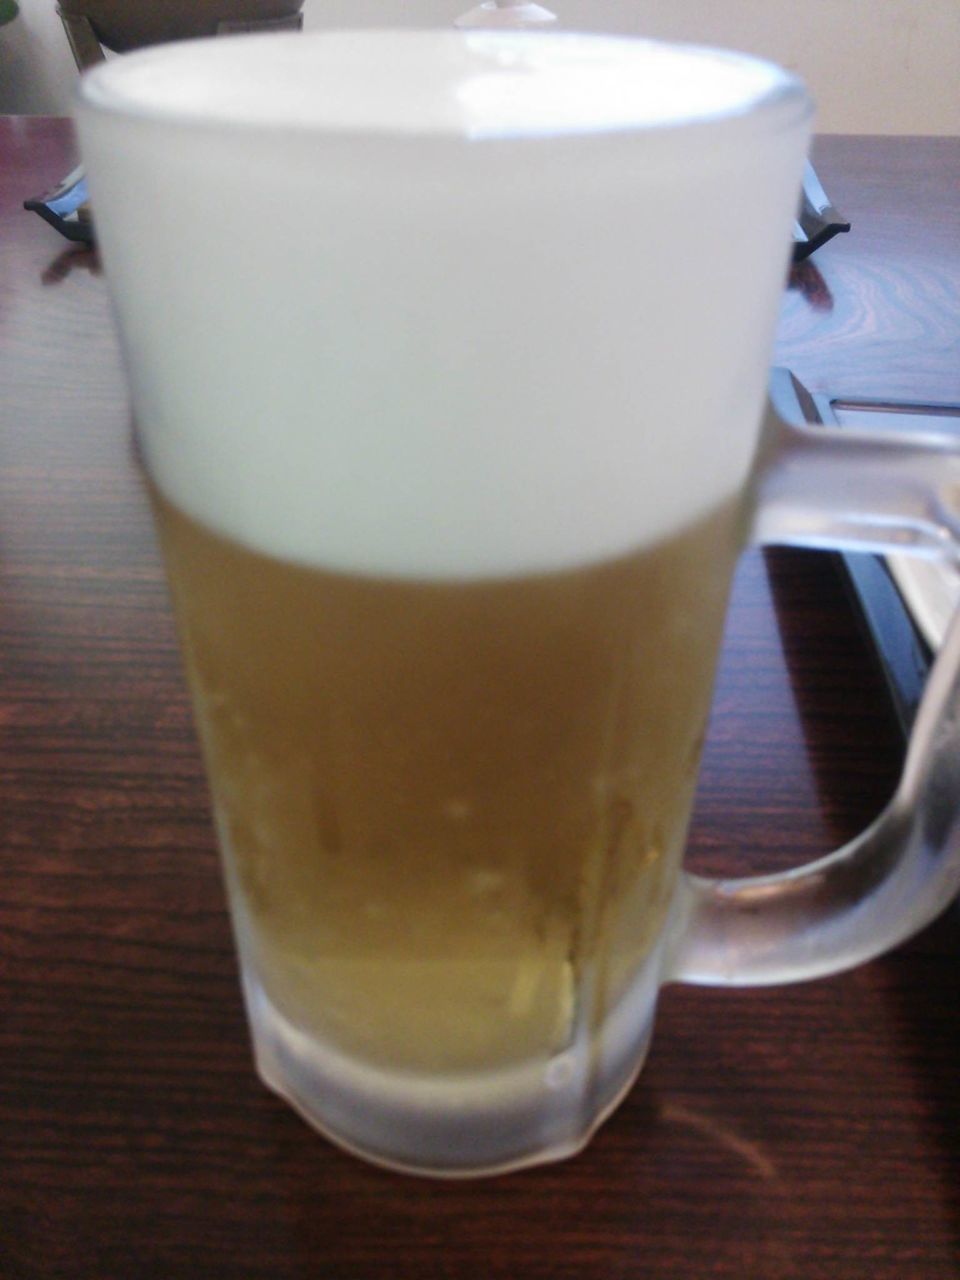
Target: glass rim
point(785, 102)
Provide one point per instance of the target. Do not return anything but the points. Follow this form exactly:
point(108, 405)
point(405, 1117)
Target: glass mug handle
point(824, 487)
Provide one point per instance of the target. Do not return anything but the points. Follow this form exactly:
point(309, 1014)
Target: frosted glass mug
point(448, 357)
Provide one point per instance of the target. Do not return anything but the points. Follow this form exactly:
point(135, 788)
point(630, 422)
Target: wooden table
point(806, 1132)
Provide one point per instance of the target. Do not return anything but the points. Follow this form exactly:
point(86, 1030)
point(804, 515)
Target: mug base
point(459, 1126)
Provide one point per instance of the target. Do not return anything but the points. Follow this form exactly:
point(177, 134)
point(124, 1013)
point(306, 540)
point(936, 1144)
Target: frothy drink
point(449, 442)
point(447, 807)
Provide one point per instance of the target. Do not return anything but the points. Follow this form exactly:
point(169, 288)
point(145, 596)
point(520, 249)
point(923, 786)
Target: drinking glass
point(448, 355)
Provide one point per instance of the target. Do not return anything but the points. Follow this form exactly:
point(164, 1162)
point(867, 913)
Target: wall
point(875, 66)
point(36, 68)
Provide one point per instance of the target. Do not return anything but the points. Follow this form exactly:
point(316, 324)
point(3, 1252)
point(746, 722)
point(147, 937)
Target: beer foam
point(468, 85)
point(444, 304)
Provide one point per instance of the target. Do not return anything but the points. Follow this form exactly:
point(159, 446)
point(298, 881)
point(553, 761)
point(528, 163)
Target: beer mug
point(448, 355)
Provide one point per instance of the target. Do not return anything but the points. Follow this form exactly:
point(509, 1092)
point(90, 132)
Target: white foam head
point(444, 304)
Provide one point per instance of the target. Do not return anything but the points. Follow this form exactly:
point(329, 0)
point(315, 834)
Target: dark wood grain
point(875, 312)
point(799, 1133)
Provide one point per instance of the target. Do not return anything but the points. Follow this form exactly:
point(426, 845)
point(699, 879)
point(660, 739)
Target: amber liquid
point(451, 814)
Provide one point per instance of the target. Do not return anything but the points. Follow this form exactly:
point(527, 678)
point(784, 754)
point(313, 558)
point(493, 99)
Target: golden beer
point(449, 808)
point(447, 353)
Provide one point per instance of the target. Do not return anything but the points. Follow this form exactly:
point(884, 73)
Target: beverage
point(448, 360)
point(448, 807)
point(448, 355)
